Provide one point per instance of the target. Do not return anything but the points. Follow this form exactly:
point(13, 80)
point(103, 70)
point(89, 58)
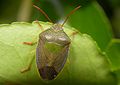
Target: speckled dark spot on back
point(48, 73)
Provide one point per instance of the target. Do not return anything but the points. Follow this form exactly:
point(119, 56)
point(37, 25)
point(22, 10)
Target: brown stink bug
point(52, 49)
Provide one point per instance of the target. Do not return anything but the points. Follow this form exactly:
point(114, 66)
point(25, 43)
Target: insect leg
point(27, 68)
point(36, 21)
point(74, 33)
point(29, 43)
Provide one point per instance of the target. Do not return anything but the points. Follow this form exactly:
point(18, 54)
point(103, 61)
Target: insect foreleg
point(36, 21)
point(27, 68)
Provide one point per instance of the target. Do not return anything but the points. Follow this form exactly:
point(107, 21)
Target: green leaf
point(113, 52)
point(117, 72)
point(86, 64)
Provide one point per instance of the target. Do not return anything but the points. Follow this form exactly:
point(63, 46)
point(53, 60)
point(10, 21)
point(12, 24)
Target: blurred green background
point(90, 18)
point(12, 10)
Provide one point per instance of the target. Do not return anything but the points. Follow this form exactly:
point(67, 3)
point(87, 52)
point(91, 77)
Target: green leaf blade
point(113, 52)
point(86, 64)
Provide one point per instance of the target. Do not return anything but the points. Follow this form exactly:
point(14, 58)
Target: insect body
point(52, 51)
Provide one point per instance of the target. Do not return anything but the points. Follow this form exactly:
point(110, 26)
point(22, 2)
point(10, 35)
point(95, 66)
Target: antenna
point(70, 14)
point(42, 12)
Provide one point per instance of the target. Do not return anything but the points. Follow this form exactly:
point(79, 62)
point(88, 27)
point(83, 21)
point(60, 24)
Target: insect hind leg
point(25, 69)
point(30, 61)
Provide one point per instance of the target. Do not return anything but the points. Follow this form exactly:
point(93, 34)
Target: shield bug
point(52, 49)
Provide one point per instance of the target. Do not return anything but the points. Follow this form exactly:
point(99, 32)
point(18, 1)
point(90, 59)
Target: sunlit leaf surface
point(86, 64)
